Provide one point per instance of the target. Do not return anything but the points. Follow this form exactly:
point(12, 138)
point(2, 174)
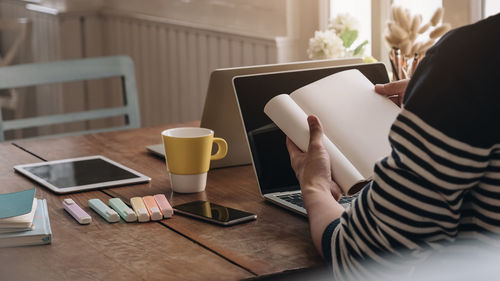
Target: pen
point(164, 206)
point(140, 209)
point(153, 209)
point(102, 209)
point(123, 210)
point(76, 212)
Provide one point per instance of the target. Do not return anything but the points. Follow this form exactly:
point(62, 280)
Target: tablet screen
point(82, 172)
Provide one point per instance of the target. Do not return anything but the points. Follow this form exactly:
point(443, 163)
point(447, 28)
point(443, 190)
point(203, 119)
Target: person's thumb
point(316, 133)
point(393, 88)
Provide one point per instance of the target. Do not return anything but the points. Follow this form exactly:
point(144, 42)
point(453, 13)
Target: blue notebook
point(16, 203)
point(40, 234)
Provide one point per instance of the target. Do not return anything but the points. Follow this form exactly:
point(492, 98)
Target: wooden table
point(179, 248)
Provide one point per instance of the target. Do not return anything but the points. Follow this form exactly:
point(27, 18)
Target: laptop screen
point(267, 142)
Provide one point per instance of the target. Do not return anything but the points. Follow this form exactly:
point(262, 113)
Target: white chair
point(20, 28)
point(24, 75)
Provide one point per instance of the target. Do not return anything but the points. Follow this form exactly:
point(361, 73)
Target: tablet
point(77, 174)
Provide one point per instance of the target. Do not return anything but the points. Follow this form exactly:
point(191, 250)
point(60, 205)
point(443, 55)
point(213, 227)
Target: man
point(440, 184)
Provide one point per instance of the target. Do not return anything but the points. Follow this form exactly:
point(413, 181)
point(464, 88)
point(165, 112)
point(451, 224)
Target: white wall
point(174, 44)
point(256, 17)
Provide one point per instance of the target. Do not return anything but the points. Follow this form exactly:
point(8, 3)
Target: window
point(490, 7)
point(359, 9)
point(425, 8)
point(463, 12)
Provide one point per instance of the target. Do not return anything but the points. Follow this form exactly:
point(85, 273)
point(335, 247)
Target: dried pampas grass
point(437, 16)
point(403, 31)
point(439, 31)
point(424, 28)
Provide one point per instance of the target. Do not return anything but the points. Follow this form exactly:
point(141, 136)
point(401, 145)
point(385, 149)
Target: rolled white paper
point(292, 120)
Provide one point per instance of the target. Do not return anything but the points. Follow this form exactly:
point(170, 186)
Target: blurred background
point(175, 44)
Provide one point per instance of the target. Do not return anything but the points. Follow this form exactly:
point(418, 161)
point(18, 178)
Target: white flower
point(342, 22)
point(325, 45)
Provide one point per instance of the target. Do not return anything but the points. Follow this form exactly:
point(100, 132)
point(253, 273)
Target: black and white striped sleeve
point(442, 179)
point(415, 201)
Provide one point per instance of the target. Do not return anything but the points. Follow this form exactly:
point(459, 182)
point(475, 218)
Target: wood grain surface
point(277, 241)
point(103, 251)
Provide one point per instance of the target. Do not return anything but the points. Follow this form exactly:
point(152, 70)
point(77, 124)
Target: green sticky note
point(16, 203)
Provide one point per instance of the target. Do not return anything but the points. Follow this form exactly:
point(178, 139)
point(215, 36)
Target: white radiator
point(173, 59)
point(173, 62)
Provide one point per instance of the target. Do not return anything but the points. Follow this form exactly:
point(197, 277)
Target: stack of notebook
point(24, 219)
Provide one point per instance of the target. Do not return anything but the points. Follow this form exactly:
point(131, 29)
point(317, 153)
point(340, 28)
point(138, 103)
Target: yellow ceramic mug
point(188, 153)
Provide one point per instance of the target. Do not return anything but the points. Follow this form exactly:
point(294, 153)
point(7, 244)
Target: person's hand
point(319, 192)
point(312, 168)
point(394, 90)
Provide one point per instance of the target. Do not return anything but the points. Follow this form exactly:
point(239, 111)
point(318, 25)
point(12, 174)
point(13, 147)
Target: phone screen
point(213, 212)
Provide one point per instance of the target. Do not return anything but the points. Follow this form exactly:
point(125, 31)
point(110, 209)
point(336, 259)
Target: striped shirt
point(441, 183)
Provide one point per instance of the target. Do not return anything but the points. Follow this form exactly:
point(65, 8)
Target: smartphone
point(214, 213)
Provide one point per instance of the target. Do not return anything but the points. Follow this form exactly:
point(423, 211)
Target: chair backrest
point(21, 27)
point(24, 75)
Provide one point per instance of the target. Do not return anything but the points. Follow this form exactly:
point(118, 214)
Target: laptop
point(221, 112)
point(270, 159)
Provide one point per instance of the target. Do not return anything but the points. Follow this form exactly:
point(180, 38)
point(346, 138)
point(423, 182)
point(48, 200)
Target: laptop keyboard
point(296, 199)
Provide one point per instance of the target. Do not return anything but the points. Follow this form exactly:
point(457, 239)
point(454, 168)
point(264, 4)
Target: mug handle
point(221, 151)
